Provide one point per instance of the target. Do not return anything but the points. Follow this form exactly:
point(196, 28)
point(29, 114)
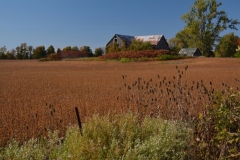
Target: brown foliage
point(72, 54)
point(136, 54)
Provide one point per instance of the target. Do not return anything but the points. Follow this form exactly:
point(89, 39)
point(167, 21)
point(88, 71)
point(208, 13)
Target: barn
point(157, 41)
point(192, 52)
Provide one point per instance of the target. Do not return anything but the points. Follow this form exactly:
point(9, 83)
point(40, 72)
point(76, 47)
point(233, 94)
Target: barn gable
point(157, 41)
point(193, 52)
point(121, 40)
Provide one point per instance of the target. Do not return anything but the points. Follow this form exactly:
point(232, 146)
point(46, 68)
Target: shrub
point(217, 129)
point(169, 57)
point(110, 137)
point(136, 54)
point(53, 57)
point(237, 55)
point(123, 137)
point(124, 60)
point(43, 59)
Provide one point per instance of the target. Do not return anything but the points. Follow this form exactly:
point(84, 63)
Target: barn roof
point(153, 39)
point(126, 38)
point(188, 51)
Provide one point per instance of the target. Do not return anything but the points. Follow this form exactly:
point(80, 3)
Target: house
point(157, 41)
point(193, 52)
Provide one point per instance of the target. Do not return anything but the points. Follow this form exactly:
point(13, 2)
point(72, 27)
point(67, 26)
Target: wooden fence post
point(79, 121)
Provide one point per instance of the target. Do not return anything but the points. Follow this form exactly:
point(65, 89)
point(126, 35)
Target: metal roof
point(188, 51)
point(126, 38)
point(153, 39)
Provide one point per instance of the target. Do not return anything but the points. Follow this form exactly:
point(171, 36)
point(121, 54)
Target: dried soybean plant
point(176, 98)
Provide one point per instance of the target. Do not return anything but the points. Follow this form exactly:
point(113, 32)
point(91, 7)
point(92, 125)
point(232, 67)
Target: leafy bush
point(46, 148)
point(124, 60)
point(109, 137)
point(237, 55)
point(217, 130)
point(169, 57)
point(53, 57)
point(136, 54)
point(138, 45)
point(43, 59)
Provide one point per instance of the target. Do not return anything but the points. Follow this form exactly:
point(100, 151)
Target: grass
point(109, 137)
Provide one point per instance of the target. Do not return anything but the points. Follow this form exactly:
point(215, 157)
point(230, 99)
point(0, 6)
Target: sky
point(93, 23)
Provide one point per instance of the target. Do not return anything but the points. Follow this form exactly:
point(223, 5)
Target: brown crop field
point(39, 96)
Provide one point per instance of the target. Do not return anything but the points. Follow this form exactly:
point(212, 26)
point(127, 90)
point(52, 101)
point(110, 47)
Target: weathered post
point(79, 120)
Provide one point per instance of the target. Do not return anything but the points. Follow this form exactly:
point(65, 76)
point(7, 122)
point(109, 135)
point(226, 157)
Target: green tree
point(30, 50)
point(138, 45)
point(59, 50)
point(19, 54)
point(24, 51)
point(204, 23)
point(113, 48)
point(10, 54)
point(87, 49)
point(68, 48)
point(75, 48)
point(3, 51)
point(50, 50)
point(175, 44)
point(227, 46)
point(39, 52)
point(98, 52)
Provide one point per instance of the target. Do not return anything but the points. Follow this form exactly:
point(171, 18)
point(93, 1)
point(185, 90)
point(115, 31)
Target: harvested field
point(41, 96)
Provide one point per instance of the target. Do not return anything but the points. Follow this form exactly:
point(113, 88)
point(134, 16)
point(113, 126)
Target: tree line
point(28, 52)
point(204, 23)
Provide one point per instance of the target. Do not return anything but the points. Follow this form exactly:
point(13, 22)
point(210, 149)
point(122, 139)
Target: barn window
point(115, 40)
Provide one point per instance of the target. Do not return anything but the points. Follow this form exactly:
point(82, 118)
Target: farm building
point(157, 41)
point(193, 52)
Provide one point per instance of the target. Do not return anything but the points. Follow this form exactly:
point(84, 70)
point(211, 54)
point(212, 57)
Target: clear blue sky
point(64, 23)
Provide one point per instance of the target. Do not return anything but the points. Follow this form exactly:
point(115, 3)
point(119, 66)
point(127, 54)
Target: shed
point(157, 41)
point(193, 52)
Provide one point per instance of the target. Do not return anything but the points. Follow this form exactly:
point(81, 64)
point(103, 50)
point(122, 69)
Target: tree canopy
point(50, 50)
point(227, 46)
point(68, 48)
point(204, 23)
point(86, 49)
point(98, 52)
point(135, 45)
point(39, 52)
point(175, 44)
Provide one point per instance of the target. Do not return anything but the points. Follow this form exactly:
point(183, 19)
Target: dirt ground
point(38, 96)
